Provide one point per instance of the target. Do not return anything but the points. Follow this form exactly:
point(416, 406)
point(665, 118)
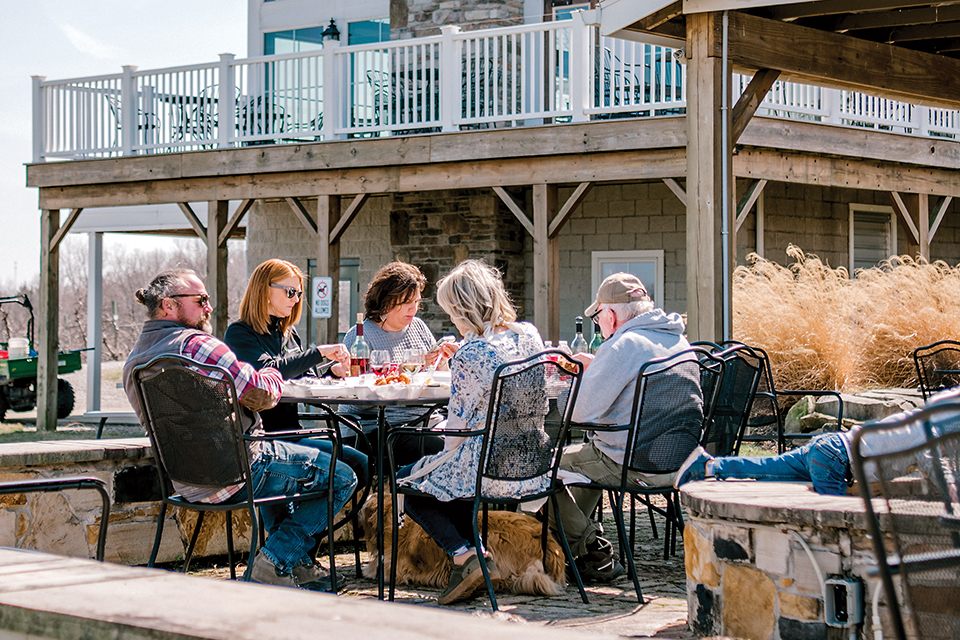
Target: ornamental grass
point(826, 330)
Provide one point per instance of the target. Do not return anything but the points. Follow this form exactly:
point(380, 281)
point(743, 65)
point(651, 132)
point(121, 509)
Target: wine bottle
point(579, 345)
point(359, 351)
point(597, 338)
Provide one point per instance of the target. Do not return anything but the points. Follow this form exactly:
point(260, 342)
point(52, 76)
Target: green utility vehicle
point(18, 376)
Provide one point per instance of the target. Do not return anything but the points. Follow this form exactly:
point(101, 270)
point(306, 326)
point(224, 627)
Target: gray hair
point(628, 310)
point(474, 297)
point(163, 286)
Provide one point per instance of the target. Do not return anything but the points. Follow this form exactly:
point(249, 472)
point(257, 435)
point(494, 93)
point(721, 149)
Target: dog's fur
point(512, 538)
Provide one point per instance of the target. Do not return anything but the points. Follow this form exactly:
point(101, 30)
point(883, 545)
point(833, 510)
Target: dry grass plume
point(824, 330)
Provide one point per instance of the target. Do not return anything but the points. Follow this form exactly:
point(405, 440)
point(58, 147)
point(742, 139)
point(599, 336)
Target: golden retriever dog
point(512, 538)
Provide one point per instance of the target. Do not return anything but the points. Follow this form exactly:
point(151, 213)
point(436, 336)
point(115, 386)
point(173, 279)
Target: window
point(368, 31)
point(293, 41)
point(566, 13)
point(646, 265)
point(873, 235)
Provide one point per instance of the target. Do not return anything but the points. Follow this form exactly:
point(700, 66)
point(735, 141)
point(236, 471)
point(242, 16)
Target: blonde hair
point(255, 304)
point(474, 297)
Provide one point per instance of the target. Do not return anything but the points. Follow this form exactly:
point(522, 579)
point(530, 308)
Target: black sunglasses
point(202, 298)
point(593, 316)
point(292, 292)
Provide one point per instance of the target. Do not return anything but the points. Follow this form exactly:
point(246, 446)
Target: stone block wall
point(68, 522)
point(425, 17)
point(748, 574)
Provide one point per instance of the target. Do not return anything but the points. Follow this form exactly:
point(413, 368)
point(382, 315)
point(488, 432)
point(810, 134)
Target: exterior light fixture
point(331, 32)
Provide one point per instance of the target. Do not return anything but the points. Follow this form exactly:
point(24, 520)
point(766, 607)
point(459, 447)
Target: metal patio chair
point(938, 366)
point(517, 446)
point(908, 473)
point(192, 413)
point(742, 371)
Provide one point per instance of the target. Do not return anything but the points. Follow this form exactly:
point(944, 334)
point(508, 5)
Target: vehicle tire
point(65, 398)
point(3, 405)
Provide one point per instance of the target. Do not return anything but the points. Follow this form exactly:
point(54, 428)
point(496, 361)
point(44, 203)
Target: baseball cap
point(616, 288)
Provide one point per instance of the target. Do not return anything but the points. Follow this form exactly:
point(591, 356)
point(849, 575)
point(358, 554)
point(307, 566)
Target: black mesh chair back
point(517, 444)
point(742, 372)
point(668, 410)
point(938, 366)
point(193, 420)
point(908, 473)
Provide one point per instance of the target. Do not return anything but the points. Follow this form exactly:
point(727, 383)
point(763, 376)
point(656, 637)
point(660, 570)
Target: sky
point(74, 38)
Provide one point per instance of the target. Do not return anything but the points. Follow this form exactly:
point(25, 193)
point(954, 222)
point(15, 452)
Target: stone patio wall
point(68, 522)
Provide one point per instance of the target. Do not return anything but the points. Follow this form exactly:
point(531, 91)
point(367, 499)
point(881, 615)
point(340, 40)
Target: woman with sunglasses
point(266, 336)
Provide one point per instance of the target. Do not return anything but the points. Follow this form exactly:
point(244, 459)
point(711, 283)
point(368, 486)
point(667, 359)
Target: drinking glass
point(413, 361)
point(380, 362)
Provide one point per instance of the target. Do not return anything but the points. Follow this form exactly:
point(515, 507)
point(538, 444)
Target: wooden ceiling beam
point(834, 7)
point(887, 19)
point(657, 18)
point(841, 61)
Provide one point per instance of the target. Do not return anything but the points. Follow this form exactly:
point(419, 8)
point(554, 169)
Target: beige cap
point(617, 288)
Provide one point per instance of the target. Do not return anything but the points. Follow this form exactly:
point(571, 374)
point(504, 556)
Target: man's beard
point(202, 323)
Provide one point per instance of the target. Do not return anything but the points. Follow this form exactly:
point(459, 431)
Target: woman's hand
point(340, 370)
point(336, 352)
point(440, 352)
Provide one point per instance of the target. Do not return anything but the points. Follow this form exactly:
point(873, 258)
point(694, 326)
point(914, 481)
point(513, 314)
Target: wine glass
point(380, 362)
point(413, 361)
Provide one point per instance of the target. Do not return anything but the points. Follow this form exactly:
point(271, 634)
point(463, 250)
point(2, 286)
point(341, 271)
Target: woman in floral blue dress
point(476, 301)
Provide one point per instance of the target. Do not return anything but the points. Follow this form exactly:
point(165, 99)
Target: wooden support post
point(704, 182)
point(913, 210)
point(48, 322)
point(546, 263)
point(217, 214)
point(328, 264)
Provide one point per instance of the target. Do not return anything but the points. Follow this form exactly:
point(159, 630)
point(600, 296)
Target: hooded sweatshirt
point(608, 385)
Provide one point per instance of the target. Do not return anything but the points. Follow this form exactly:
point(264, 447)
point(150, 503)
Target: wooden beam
point(939, 211)
point(659, 17)
point(747, 201)
point(347, 217)
point(836, 60)
point(705, 257)
point(194, 221)
point(546, 264)
point(901, 208)
point(217, 259)
point(803, 9)
point(48, 322)
point(302, 214)
point(515, 209)
point(750, 101)
point(234, 220)
point(65, 228)
point(848, 173)
point(891, 19)
point(677, 190)
point(575, 200)
point(328, 262)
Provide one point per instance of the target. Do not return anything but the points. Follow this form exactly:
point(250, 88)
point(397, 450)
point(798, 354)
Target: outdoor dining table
point(438, 397)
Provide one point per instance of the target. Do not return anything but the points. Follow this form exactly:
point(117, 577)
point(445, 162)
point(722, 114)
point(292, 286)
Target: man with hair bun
point(178, 312)
point(635, 332)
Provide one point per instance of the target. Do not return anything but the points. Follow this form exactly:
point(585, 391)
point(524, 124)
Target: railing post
point(38, 128)
point(579, 67)
point(833, 99)
point(922, 114)
point(450, 77)
point(128, 110)
point(226, 104)
point(335, 91)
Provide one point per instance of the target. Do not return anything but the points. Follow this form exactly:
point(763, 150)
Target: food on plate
point(399, 378)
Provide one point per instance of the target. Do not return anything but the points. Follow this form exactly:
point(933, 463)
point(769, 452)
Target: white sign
point(322, 297)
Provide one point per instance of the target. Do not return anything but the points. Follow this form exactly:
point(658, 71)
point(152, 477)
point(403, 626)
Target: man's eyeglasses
point(202, 298)
point(292, 292)
point(593, 316)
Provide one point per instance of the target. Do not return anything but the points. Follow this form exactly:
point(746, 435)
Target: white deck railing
point(513, 76)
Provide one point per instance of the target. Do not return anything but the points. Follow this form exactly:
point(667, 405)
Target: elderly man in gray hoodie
point(635, 332)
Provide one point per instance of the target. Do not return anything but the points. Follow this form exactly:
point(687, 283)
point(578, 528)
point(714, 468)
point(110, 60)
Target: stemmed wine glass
point(380, 362)
point(413, 361)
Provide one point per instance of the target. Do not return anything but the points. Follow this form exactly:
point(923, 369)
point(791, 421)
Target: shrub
point(824, 330)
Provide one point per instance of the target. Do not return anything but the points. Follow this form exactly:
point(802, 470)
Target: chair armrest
point(593, 426)
point(294, 433)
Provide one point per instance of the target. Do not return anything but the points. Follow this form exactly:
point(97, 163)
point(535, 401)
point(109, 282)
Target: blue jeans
point(356, 460)
point(448, 523)
point(823, 461)
point(285, 467)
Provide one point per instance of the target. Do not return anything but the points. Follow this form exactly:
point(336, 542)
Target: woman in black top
point(265, 336)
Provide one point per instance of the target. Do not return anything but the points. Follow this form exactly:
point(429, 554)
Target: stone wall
point(425, 17)
point(68, 522)
point(748, 574)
